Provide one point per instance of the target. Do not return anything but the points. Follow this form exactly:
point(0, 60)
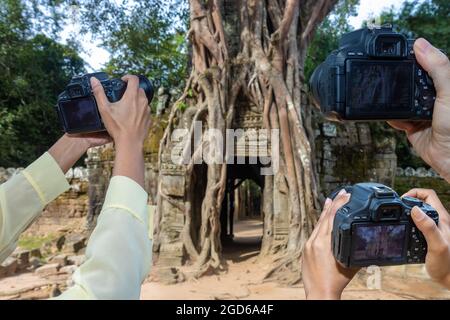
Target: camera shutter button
point(412, 202)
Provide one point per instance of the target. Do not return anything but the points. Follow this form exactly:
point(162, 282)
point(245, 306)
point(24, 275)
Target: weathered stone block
point(8, 267)
point(68, 269)
point(76, 260)
point(23, 257)
point(48, 270)
point(35, 253)
point(173, 185)
point(60, 259)
point(74, 243)
point(34, 263)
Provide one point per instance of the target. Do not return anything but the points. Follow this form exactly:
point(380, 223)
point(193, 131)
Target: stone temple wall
point(351, 153)
point(68, 211)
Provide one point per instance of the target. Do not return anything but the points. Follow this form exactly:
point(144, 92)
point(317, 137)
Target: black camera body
point(373, 75)
point(375, 228)
point(77, 108)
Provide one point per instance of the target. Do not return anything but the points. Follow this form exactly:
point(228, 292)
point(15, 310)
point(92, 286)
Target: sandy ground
point(245, 271)
point(243, 279)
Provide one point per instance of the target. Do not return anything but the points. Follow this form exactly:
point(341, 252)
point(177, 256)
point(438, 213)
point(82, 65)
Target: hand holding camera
point(387, 240)
point(128, 122)
point(432, 140)
point(324, 277)
point(375, 228)
point(437, 260)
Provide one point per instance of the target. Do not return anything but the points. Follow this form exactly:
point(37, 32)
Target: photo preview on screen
point(234, 146)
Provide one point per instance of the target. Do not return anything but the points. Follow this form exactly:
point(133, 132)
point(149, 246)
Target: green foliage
point(30, 242)
point(144, 36)
point(34, 69)
point(182, 106)
point(328, 34)
point(428, 19)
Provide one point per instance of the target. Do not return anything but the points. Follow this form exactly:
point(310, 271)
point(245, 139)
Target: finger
point(132, 85)
point(420, 193)
point(429, 229)
point(409, 127)
point(340, 200)
point(103, 136)
point(435, 63)
point(99, 93)
point(142, 97)
point(326, 207)
point(429, 196)
point(402, 125)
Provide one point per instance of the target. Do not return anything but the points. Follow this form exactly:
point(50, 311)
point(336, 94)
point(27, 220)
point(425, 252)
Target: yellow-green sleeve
point(119, 251)
point(23, 197)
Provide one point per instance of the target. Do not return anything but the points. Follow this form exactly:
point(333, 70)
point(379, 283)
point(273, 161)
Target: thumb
point(99, 94)
point(435, 63)
point(429, 229)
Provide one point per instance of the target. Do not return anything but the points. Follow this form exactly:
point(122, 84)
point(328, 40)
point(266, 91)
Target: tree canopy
point(34, 69)
point(142, 36)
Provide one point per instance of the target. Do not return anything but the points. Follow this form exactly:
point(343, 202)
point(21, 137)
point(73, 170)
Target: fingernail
point(417, 214)
point(327, 202)
point(422, 44)
point(94, 81)
point(342, 192)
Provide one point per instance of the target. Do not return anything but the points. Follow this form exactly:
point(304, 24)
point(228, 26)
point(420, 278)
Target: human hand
point(437, 260)
point(127, 120)
point(69, 148)
point(89, 140)
point(323, 276)
point(432, 143)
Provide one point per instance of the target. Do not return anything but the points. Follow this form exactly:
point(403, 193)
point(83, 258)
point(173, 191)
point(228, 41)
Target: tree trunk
point(254, 50)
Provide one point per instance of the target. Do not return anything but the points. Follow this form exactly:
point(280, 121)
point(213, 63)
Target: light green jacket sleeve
point(23, 197)
point(119, 249)
point(118, 254)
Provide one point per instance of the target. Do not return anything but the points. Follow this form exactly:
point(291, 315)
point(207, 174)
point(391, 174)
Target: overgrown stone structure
point(344, 154)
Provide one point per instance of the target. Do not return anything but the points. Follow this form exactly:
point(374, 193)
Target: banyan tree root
point(264, 68)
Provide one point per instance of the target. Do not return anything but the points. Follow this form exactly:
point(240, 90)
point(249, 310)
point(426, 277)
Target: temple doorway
point(241, 217)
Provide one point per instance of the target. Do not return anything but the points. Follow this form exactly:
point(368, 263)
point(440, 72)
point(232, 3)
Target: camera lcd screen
point(378, 242)
point(80, 113)
point(374, 85)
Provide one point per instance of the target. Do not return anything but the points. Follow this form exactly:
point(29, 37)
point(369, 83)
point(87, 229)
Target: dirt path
point(245, 271)
point(243, 279)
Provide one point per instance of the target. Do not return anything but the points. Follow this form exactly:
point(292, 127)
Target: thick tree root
point(286, 270)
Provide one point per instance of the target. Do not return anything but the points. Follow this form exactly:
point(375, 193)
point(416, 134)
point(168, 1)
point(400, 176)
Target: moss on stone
point(156, 133)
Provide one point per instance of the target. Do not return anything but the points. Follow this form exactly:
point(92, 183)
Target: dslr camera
point(373, 76)
point(375, 228)
point(77, 109)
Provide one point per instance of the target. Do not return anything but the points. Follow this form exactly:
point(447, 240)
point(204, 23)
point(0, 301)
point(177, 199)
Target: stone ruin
point(344, 154)
point(337, 146)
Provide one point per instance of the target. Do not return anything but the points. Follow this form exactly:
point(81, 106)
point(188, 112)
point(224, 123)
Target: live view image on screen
point(377, 85)
point(378, 242)
point(80, 113)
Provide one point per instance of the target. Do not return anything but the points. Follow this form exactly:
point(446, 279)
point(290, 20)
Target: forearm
point(323, 296)
point(67, 150)
point(24, 196)
point(129, 161)
point(118, 255)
